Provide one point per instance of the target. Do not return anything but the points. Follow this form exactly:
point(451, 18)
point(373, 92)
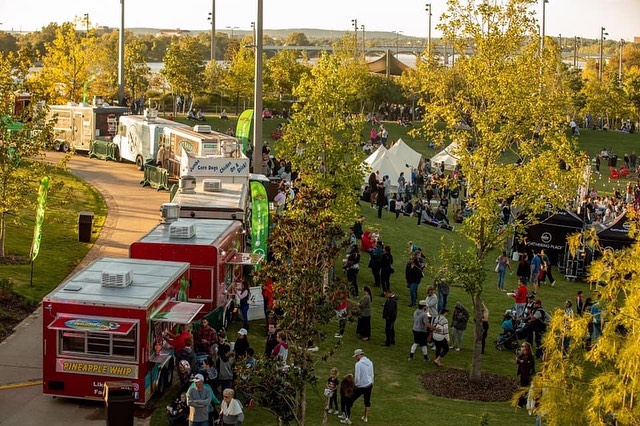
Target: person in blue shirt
point(536, 265)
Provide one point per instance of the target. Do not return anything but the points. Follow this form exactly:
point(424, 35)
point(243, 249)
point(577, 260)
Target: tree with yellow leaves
point(501, 100)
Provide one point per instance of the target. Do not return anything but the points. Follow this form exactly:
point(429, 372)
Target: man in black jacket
point(389, 314)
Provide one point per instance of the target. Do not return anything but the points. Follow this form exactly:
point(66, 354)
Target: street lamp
point(354, 22)
point(257, 92)
point(232, 28)
point(620, 62)
point(428, 9)
point(212, 18)
point(397, 42)
point(575, 51)
point(364, 46)
point(544, 11)
point(602, 38)
point(253, 31)
point(121, 56)
point(86, 22)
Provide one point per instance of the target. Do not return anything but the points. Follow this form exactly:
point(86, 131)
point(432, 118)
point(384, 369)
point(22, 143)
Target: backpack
point(546, 318)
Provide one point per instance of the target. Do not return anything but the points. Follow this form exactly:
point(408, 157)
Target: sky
point(582, 18)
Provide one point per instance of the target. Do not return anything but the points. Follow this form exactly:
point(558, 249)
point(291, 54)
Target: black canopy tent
point(616, 235)
point(551, 233)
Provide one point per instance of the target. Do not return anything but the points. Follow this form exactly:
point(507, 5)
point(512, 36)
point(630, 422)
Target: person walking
point(363, 380)
point(502, 264)
point(386, 268)
point(389, 314)
point(413, 275)
point(421, 322)
point(440, 329)
point(352, 267)
point(547, 263)
point(459, 321)
point(364, 318)
point(347, 386)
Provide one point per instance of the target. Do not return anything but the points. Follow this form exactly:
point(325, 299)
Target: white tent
point(386, 166)
point(447, 156)
point(375, 155)
point(403, 155)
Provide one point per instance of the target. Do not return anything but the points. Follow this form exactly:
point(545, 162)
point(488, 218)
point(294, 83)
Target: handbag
point(515, 256)
point(498, 267)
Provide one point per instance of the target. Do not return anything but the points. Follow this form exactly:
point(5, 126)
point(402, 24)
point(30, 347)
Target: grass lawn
point(60, 250)
point(398, 398)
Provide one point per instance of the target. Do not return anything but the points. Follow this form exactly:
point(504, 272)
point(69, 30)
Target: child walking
point(331, 392)
point(347, 387)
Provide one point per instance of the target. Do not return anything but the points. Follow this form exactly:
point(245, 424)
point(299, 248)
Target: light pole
point(620, 62)
point(257, 93)
point(232, 28)
point(364, 46)
point(212, 18)
point(86, 23)
point(397, 42)
point(253, 32)
point(575, 51)
point(560, 44)
point(354, 22)
point(602, 38)
point(428, 9)
point(544, 12)
point(121, 56)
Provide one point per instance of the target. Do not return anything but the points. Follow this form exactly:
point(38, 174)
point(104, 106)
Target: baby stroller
point(178, 411)
point(509, 338)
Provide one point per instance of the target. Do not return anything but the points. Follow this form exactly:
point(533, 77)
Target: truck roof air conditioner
point(187, 184)
point(202, 128)
point(119, 279)
point(212, 185)
point(182, 231)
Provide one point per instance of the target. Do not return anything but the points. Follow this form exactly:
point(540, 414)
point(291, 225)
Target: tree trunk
point(476, 359)
point(303, 405)
point(2, 233)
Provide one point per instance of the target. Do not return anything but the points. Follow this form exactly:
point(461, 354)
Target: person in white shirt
point(440, 329)
point(363, 381)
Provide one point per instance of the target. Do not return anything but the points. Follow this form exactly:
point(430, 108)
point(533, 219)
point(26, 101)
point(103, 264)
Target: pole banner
point(259, 218)
point(244, 127)
point(37, 230)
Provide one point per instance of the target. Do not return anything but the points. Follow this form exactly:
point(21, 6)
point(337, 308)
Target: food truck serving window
point(96, 337)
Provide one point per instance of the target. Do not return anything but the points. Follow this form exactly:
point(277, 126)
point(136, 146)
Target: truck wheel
point(64, 147)
point(56, 146)
point(169, 376)
point(139, 163)
point(116, 154)
point(162, 382)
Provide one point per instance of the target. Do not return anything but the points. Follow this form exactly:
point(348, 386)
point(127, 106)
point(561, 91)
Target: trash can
point(85, 226)
point(119, 403)
point(613, 161)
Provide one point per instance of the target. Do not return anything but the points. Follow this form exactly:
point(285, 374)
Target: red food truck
point(213, 248)
point(108, 322)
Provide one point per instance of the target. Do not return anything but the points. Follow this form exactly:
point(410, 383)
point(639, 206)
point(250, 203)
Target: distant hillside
point(311, 33)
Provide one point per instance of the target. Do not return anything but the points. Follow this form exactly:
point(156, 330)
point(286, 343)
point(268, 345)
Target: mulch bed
point(454, 384)
point(13, 309)
point(14, 260)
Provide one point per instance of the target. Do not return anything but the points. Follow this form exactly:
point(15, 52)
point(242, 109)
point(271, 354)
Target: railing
point(103, 150)
point(155, 177)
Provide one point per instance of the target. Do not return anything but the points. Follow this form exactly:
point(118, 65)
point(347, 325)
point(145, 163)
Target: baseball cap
point(242, 331)
point(198, 378)
point(357, 352)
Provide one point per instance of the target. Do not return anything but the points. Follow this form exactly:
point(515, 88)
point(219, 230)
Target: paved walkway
point(133, 211)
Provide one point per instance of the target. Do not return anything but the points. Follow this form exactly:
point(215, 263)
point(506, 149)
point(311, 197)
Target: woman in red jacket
point(521, 297)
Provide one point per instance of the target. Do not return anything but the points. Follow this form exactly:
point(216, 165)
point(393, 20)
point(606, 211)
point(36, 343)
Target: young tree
point(21, 144)
point(285, 73)
point(596, 381)
point(323, 140)
point(502, 97)
point(67, 65)
point(183, 67)
point(238, 80)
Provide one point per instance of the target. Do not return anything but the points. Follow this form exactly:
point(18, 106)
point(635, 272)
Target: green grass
point(60, 250)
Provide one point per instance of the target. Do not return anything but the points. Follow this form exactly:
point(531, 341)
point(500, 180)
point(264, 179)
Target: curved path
point(133, 211)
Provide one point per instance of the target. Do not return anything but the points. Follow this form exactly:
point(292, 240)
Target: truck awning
point(92, 325)
point(245, 259)
point(177, 312)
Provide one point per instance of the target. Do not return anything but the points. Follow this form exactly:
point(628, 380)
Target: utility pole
point(354, 22)
point(620, 62)
point(253, 32)
point(600, 64)
point(575, 51)
point(257, 93)
point(364, 46)
point(86, 23)
point(544, 12)
point(212, 18)
point(428, 9)
point(121, 56)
